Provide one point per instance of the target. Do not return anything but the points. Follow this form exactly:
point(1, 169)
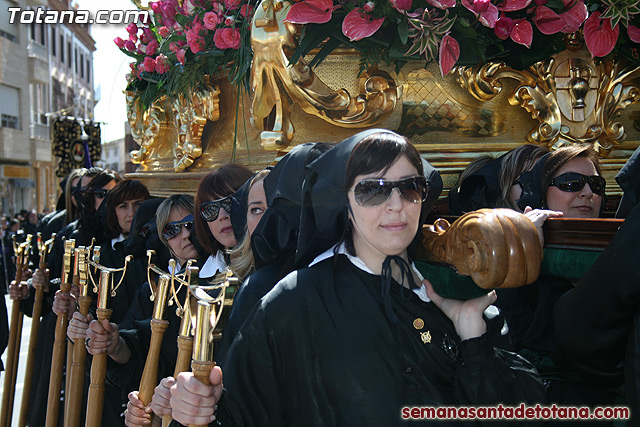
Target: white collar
point(213, 265)
point(421, 291)
point(115, 240)
point(174, 270)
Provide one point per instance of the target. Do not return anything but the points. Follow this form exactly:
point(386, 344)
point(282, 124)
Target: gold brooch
point(418, 323)
point(426, 337)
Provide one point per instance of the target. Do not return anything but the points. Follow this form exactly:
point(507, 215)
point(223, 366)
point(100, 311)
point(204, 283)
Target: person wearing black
point(358, 335)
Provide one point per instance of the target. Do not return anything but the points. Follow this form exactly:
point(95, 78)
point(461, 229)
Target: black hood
point(531, 184)
point(144, 234)
point(629, 180)
point(276, 235)
point(324, 215)
point(238, 212)
point(479, 190)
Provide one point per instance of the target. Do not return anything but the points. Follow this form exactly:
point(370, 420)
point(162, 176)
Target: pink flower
point(152, 47)
point(180, 55)
point(168, 10)
point(246, 10)
point(227, 38)
point(358, 25)
point(634, 33)
point(130, 46)
point(503, 27)
point(132, 29)
point(232, 4)
point(211, 21)
point(149, 64)
point(164, 32)
point(442, 4)
point(448, 55)
point(369, 6)
point(162, 64)
point(229, 21)
point(599, 37)
point(486, 12)
point(147, 35)
point(173, 46)
point(311, 12)
point(156, 7)
point(401, 5)
point(549, 22)
point(133, 37)
point(119, 42)
point(196, 43)
point(513, 5)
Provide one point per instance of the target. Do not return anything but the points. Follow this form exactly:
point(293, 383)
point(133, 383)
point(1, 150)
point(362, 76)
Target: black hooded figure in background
point(356, 337)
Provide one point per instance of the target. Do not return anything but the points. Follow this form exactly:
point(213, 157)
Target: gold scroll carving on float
point(488, 109)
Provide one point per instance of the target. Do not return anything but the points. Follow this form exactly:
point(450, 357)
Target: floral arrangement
point(182, 42)
point(466, 32)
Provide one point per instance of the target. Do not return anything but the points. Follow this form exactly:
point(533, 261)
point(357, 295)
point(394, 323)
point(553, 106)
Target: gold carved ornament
point(145, 126)
point(498, 248)
point(275, 84)
point(574, 98)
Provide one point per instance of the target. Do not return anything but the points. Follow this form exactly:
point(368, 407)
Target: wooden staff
point(44, 249)
point(185, 339)
point(70, 343)
point(105, 289)
point(59, 344)
point(209, 311)
point(15, 333)
point(76, 371)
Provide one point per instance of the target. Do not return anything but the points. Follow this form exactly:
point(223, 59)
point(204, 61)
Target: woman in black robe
point(356, 336)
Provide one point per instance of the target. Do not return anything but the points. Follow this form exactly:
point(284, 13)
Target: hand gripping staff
point(161, 298)
point(104, 289)
point(207, 316)
point(185, 340)
point(76, 371)
point(15, 333)
point(59, 344)
point(44, 249)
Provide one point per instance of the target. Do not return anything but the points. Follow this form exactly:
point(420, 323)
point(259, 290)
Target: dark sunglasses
point(209, 211)
point(101, 193)
point(172, 229)
point(573, 181)
point(374, 192)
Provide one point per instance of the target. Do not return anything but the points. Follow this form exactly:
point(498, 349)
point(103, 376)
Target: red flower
point(311, 12)
point(358, 25)
point(132, 29)
point(246, 10)
point(232, 4)
point(162, 64)
point(449, 53)
point(599, 37)
point(149, 64)
point(486, 12)
point(522, 32)
point(503, 27)
point(129, 45)
point(196, 43)
point(180, 55)
point(513, 5)
point(549, 22)
point(152, 47)
point(211, 21)
point(634, 33)
point(119, 42)
point(227, 38)
point(164, 31)
point(401, 5)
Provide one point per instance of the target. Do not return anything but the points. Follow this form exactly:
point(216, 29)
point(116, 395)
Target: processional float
point(22, 251)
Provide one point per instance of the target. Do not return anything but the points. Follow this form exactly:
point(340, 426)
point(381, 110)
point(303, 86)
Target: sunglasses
point(573, 182)
point(209, 211)
point(172, 229)
point(374, 192)
point(100, 193)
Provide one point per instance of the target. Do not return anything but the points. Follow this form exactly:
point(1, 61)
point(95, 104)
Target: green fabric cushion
point(570, 264)
point(449, 284)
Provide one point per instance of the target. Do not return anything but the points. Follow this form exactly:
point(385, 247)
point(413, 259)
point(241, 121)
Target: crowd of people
point(333, 324)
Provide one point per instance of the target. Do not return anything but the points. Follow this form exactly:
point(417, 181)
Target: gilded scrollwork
point(145, 126)
point(276, 84)
point(191, 113)
point(574, 98)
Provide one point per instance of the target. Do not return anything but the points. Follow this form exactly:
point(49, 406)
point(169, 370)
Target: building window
point(81, 66)
point(69, 57)
point(7, 30)
point(76, 60)
point(88, 71)
point(10, 106)
point(54, 46)
point(43, 34)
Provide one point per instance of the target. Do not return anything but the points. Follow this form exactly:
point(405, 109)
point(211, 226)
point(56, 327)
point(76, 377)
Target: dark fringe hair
point(129, 189)
point(219, 183)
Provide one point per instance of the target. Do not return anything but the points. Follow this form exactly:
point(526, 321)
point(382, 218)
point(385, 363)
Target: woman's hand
point(64, 302)
point(17, 292)
point(193, 402)
point(40, 278)
point(104, 337)
point(465, 315)
point(538, 217)
point(160, 403)
point(136, 414)
point(78, 325)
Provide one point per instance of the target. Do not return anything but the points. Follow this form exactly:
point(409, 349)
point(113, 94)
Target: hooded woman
point(358, 335)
